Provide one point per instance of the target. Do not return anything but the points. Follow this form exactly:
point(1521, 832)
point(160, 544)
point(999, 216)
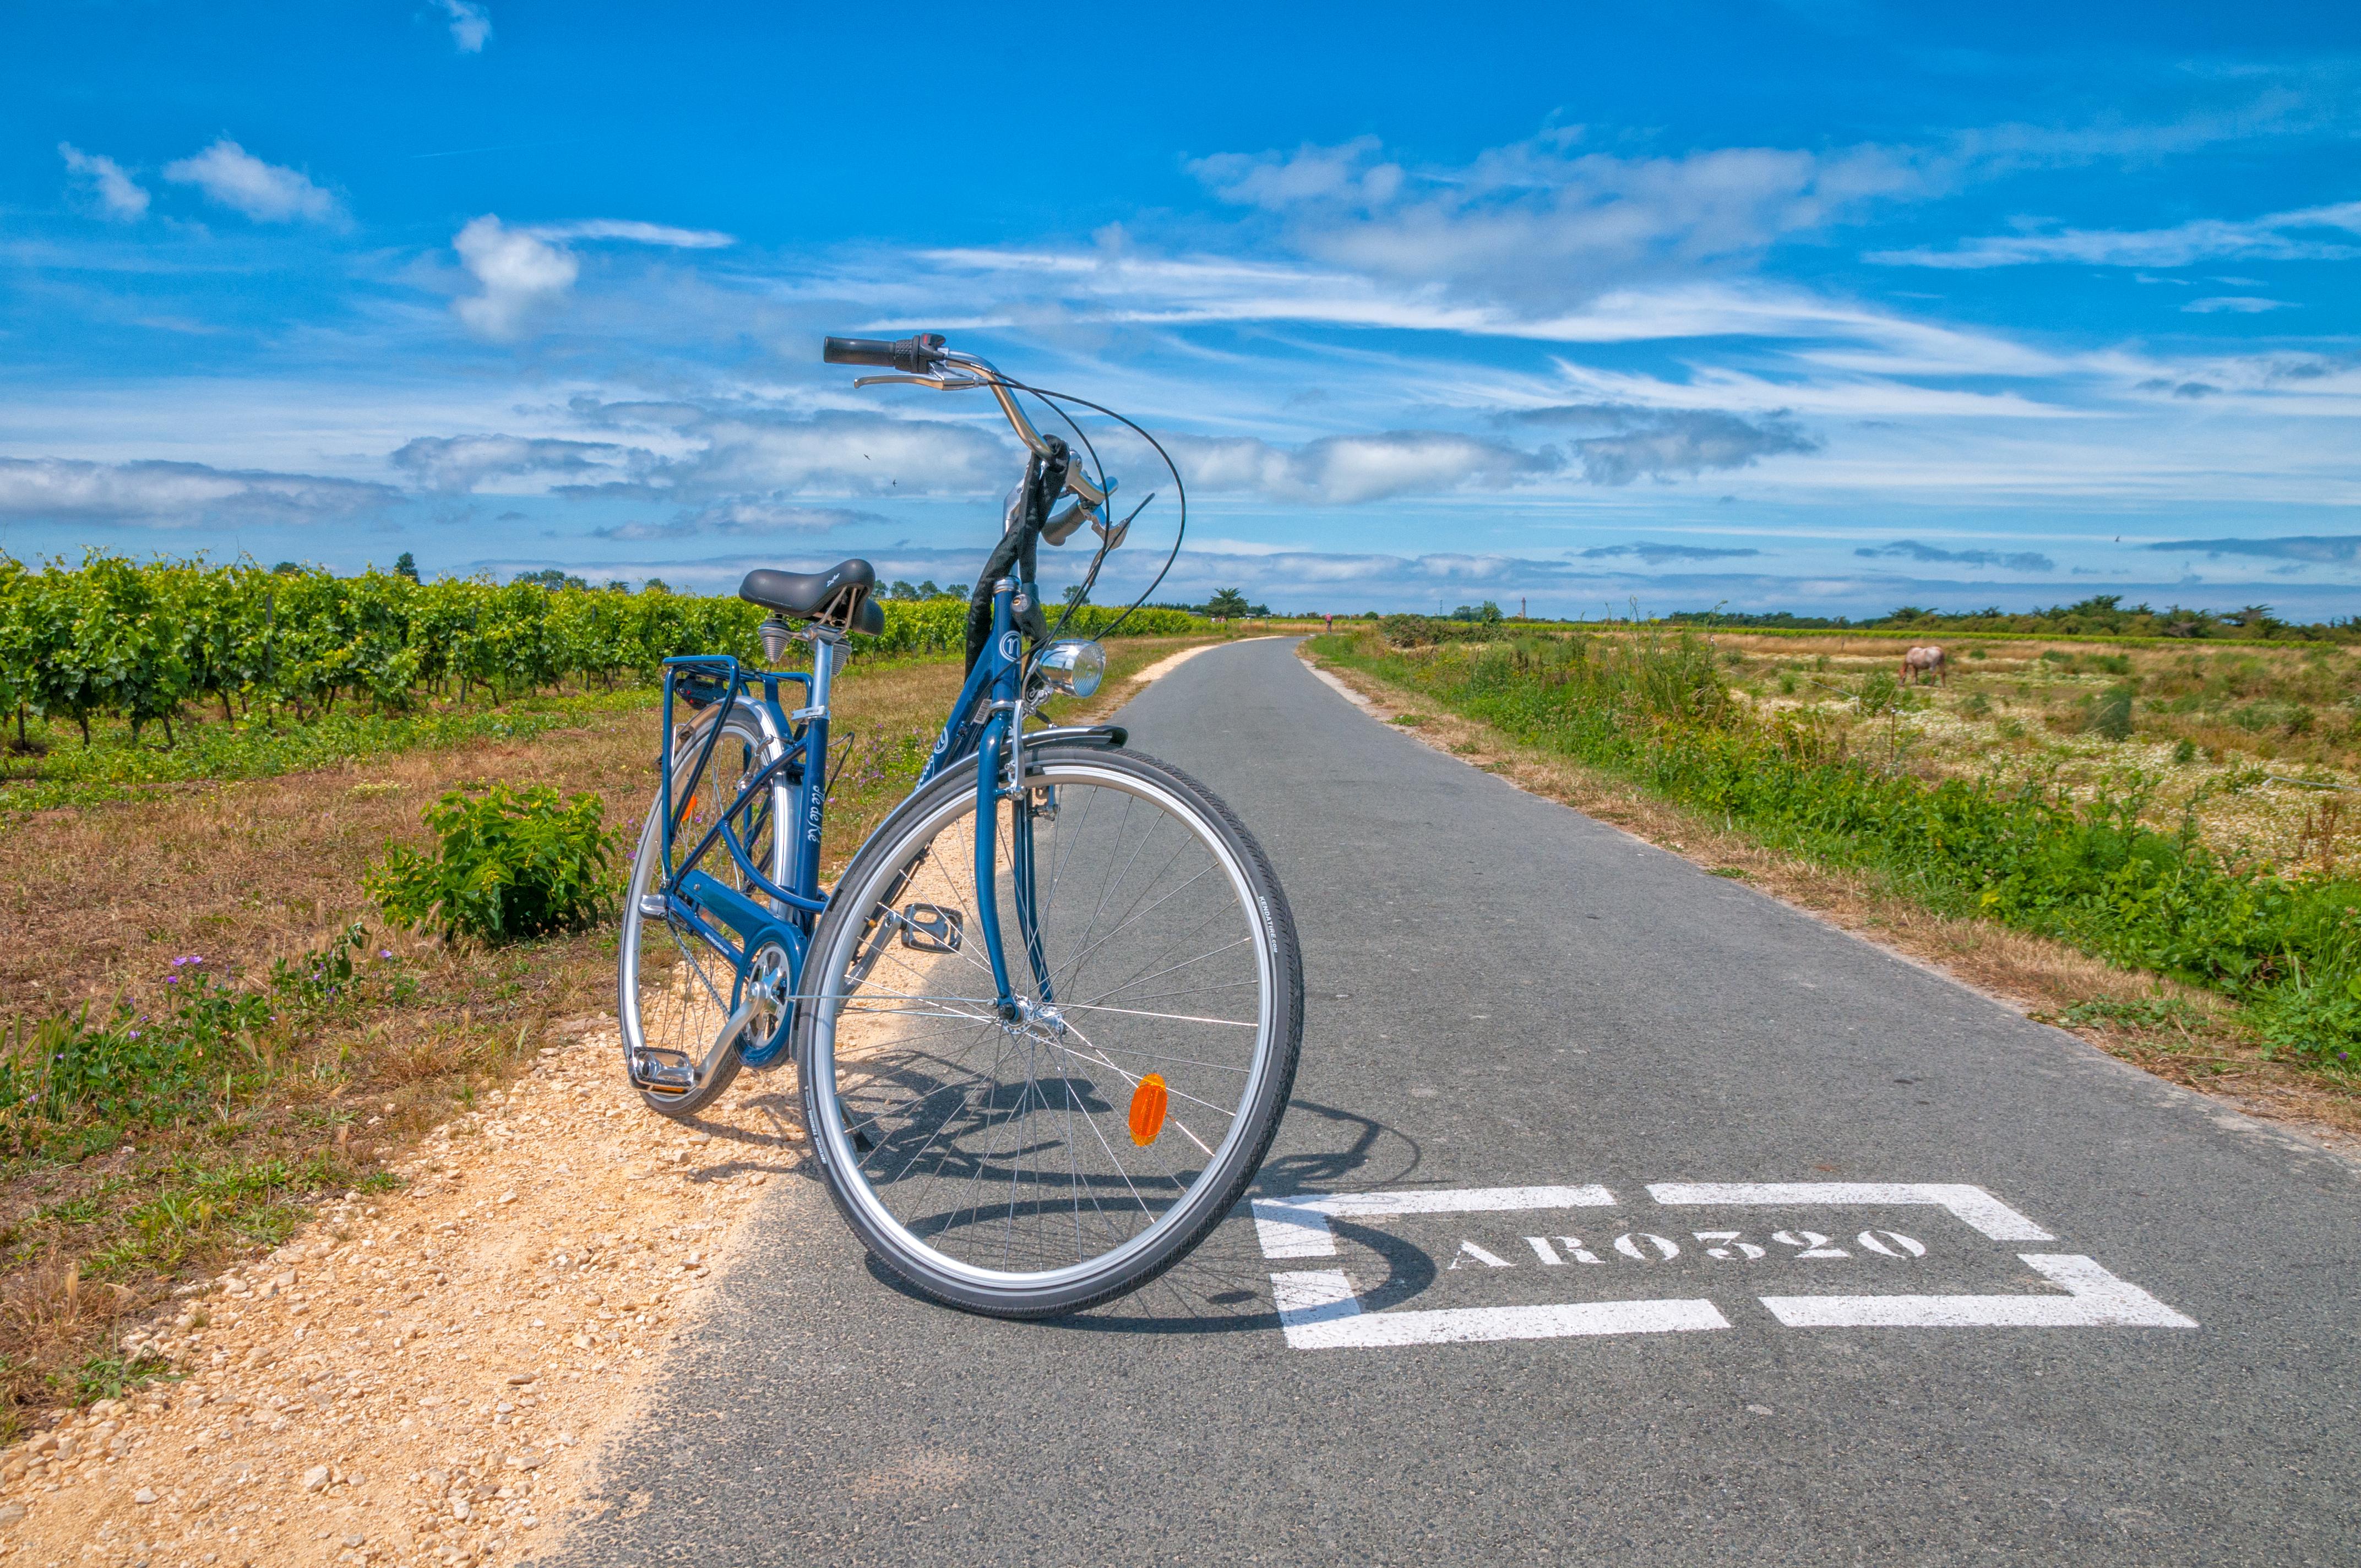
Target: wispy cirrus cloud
point(118, 195)
point(1657, 554)
point(158, 494)
point(2309, 234)
point(266, 193)
point(1546, 219)
point(459, 463)
point(1343, 470)
point(2237, 304)
point(1665, 443)
point(2326, 549)
point(741, 517)
point(1911, 549)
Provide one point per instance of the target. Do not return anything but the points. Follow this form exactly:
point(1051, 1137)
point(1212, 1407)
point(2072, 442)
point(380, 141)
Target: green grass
point(116, 768)
point(2089, 870)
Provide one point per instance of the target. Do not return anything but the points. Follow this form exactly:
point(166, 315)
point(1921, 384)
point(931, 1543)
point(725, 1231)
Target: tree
point(1487, 614)
point(1228, 604)
point(552, 578)
point(406, 565)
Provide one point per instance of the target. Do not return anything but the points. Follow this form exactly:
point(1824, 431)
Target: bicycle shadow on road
point(1224, 1287)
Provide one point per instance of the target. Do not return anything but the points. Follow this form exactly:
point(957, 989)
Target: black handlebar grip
point(912, 355)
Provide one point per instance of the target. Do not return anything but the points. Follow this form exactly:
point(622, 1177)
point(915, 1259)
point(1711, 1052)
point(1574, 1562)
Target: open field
point(305, 1043)
point(2261, 743)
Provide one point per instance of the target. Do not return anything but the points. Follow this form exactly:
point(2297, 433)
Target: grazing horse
point(1922, 661)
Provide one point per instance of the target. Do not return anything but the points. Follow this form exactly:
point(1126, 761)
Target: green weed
point(508, 865)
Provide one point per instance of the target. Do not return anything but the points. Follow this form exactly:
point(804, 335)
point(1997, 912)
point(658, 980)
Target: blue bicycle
point(1047, 1022)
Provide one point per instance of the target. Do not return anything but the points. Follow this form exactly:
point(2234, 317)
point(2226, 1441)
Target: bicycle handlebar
point(913, 355)
point(923, 357)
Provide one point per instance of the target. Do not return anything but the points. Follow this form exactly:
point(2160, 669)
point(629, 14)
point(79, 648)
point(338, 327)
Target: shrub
point(2110, 714)
point(508, 865)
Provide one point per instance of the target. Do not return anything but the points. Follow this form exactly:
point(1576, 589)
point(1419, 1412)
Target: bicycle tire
point(843, 1104)
point(747, 734)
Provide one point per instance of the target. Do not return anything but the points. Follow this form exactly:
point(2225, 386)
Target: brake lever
point(940, 383)
point(1113, 537)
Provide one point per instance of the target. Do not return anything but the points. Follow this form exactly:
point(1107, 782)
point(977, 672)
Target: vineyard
point(168, 642)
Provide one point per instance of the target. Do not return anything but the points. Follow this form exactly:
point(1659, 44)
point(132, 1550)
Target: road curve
point(1662, 1223)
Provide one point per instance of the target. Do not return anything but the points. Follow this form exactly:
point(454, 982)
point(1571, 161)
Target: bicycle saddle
point(838, 596)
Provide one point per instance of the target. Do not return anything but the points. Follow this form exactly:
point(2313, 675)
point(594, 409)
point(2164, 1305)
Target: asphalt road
point(1507, 995)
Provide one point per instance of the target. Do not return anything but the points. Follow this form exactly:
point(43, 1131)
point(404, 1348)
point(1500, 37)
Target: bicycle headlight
point(1075, 668)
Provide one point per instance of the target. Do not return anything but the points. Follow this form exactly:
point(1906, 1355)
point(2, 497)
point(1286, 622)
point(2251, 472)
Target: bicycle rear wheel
point(679, 1002)
point(1037, 1163)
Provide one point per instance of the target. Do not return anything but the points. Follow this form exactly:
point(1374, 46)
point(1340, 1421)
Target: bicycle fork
point(1005, 728)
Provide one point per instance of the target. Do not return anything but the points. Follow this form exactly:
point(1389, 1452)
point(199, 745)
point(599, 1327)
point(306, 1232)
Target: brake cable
point(1181, 533)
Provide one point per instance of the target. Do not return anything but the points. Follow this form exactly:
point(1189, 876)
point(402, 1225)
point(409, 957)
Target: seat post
point(823, 641)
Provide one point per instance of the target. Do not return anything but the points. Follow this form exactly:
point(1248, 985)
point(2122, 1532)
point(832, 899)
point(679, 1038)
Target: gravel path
point(426, 1375)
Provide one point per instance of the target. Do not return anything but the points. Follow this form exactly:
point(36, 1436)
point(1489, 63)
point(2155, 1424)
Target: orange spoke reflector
point(1147, 1103)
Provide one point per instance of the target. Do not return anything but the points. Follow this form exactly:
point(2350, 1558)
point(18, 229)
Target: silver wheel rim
point(1126, 1064)
point(705, 987)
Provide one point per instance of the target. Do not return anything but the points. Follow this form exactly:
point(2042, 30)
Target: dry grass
point(100, 899)
point(2043, 979)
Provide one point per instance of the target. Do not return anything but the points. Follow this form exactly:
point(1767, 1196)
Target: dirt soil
point(2035, 975)
point(423, 1376)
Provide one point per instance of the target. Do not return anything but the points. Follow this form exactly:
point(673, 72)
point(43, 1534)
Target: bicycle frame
point(738, 927)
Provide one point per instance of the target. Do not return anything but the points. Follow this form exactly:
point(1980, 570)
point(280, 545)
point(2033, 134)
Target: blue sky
point(1822, 306)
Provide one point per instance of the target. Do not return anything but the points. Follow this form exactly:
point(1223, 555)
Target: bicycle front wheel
point(1072, 1147)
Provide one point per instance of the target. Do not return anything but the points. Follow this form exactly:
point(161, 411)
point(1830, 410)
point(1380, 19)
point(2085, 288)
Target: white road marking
point(1319, 1310)
point(1297, 1227)
point(1971, 1206)
point(2095, 1299)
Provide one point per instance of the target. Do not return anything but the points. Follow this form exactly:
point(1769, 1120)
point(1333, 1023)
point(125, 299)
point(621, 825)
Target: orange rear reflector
point(1147, 1103)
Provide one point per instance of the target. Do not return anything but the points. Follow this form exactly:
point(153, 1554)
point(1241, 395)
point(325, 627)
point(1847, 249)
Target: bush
point(2110, 715)
point(509, 866)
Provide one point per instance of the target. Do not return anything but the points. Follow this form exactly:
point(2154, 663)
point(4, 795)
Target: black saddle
point(838, 596)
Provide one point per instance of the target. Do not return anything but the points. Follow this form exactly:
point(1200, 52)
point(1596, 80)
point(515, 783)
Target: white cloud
point(2279, 237)
point(521, 271)
point(1340, 470)
point(741, 517)
point(639, 233)
point(119, 195)
point(518, 273)
point(471, 25)
point(173, 495)
point(263, 192)
point(2240, 304)
point(1542, 221)
point(510, 464)
point(1633, 442)
point(1276, 182)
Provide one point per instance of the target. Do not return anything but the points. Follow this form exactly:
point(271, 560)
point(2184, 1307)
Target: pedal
point(663, 1077)
point(931, 928)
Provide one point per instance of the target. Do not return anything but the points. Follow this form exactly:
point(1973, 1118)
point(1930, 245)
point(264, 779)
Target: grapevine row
point(145, 641)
